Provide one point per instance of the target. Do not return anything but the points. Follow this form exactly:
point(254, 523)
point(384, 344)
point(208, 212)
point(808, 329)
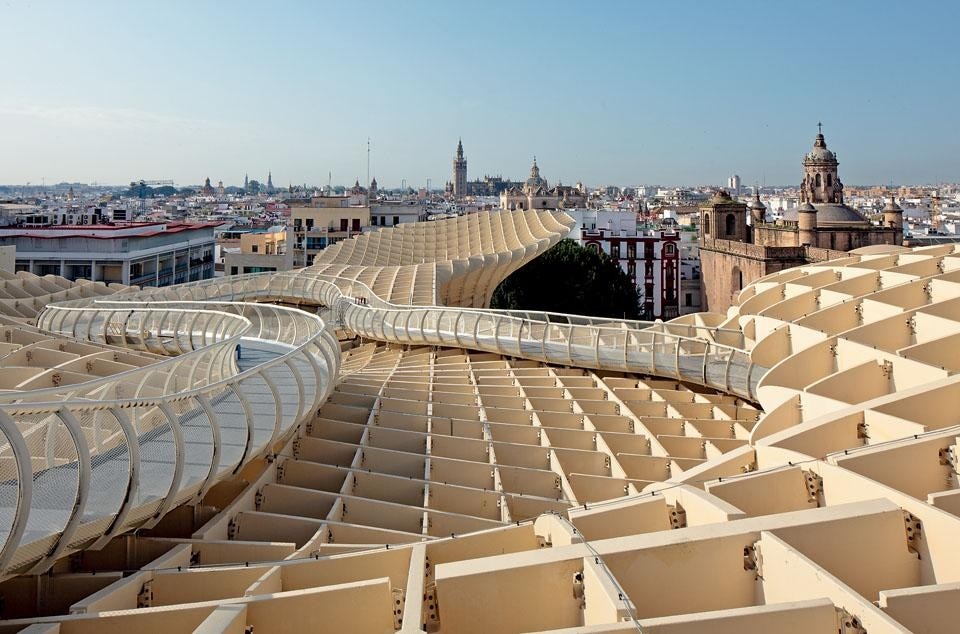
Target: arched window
point(817, 179)
point(731, 224)
point(829, 180)
point(706, 224)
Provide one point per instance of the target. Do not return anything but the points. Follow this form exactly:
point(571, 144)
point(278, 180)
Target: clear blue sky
point(607, 92)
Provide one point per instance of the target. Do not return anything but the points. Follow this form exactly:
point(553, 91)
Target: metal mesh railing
point(86, 461)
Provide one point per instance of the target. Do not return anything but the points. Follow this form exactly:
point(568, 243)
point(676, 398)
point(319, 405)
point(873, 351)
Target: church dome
point(535, 181)
point(820, 153)
point(839, 214)
point(830, 214)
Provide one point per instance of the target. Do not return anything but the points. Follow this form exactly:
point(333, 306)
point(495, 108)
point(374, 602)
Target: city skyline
point(627, 94)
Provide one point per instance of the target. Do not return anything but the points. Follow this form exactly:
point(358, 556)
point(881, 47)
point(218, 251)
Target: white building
point(733, 185)
point(141, 253)
point(651, 257)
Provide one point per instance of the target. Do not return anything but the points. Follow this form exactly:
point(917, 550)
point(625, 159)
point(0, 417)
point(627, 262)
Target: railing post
point(596, 347)
point(133, 479)
point(83, 490)
point(653, 353)
point(179, 457)
point(21, 456)
point(676, 356)
point(703, 370)
point(456, 328)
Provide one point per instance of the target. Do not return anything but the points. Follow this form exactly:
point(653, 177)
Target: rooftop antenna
point(368, 161)
point(329, 181)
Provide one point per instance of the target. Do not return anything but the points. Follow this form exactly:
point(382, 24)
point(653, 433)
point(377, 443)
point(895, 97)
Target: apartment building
point(316, 227)
point(140, 253)
point(260, 251)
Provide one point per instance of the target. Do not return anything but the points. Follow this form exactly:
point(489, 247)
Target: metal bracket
point(578, 592)
point(258, 499)
point(752, 559)
point(849, 624)
point(914, 529)
point(431, 609)
point(948, 457)
point(280, 471)
point(678, 516)
point(912, 325)
point(233, 527)
point(814, 487)
point(887, 369)
point(398, 597)
point(145, 596)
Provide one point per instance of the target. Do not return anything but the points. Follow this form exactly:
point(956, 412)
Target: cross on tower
point(819, 127)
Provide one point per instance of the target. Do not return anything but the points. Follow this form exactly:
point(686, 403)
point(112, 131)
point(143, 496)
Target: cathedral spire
point(459, 172)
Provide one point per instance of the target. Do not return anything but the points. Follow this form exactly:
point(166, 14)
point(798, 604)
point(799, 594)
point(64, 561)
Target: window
point(688, 299)
point(706, 224)
point(356, 224)
point(829, 180)
point(669, 249)
point(254, 248)
point(396, 220)
point(817, 179)
point(233, 270)
point(373, 221)
point(344, 224)
point(731, 224)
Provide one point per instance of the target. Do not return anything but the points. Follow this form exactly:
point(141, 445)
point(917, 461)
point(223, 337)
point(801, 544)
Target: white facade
point(610, 220)
point(143, 254)
point(733, 184)
point(397, 213)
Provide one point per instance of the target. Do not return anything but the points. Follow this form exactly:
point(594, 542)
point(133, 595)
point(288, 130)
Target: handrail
point(608, 346)
point(168, 399)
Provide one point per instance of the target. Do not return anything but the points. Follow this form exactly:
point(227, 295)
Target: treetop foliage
point(569, 278)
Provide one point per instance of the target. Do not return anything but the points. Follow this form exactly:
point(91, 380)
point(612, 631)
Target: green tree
point(569, 278)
